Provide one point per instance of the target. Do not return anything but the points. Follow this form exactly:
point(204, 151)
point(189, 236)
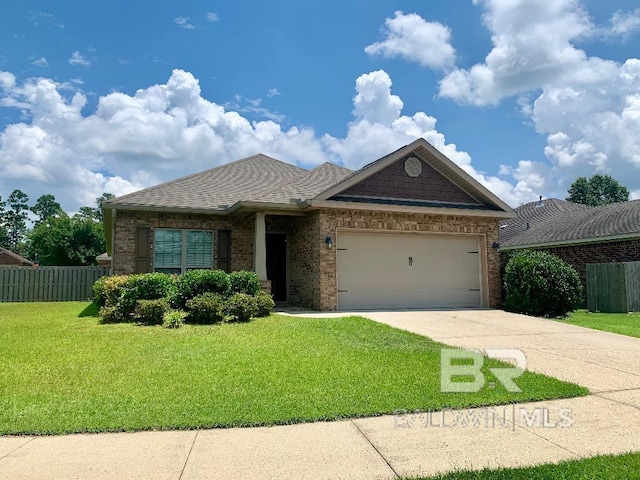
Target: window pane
point(199, 249)
point(167, 250)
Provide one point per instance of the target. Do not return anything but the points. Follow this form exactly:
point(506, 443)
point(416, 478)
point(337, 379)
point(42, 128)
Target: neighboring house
point(411, 229)
point(104, 260)
point(7, 257)
point(578, 234)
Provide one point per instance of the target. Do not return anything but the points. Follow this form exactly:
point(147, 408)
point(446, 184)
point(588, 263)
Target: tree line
point(54, 237)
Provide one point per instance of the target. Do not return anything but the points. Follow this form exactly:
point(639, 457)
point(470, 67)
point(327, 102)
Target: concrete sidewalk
point(391, 446)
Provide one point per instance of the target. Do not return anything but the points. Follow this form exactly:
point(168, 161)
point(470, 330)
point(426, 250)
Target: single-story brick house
point(7, 257)
point(578, 234)
point(411, 229)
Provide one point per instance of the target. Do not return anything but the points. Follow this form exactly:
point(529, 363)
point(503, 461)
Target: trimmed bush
point(110, 315)
point(538, 283)
point(151, 312)
point(195, 282)
point(241, 307)
point(112, 289)
point(265, 304)
point(244, 282)
point(144, 286)
point(205, 308)
point(173, 319)
point(99, 297)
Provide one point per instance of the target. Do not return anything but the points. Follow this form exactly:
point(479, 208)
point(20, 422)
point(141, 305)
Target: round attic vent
point(413, 166)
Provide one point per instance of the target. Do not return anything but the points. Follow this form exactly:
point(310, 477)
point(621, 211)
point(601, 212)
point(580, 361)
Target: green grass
point(61, 371)
point(622, 323)
point(613, 467)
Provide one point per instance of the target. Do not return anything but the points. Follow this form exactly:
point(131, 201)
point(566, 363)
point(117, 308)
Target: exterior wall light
point(328, 241)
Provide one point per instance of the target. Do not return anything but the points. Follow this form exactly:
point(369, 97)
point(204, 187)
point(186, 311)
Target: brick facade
point(312, 268)
point(126, 222)
point(608, 252)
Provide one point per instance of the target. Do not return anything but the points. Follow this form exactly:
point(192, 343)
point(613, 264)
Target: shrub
point(112, 289)
point(205, 308)
point(110, 315)
point(241, 307)
point(196, 282)
point(265, 304)
point(173, 318)
point(99, 297)
point(151, 312)
point(538, 283)
point(144, 286)
point(244, 282)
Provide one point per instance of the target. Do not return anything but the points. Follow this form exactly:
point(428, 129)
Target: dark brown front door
point(224, 250)
point(277, 265)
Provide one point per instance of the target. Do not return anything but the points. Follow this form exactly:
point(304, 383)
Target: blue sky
point(525, 95)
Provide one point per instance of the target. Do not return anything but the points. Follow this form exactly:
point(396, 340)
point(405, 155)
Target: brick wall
point(608, 252)
point(242, 235)
point(330, 220)
point(305, 244)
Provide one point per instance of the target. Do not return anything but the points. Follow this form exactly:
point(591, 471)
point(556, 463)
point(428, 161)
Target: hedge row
point(197, 296)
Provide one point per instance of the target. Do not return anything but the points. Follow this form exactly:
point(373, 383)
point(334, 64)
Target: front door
point(277, 265)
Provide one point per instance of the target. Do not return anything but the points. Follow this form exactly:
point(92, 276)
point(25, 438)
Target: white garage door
point(380, 270)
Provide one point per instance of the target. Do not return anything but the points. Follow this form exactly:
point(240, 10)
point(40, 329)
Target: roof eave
point(579, 241)
point(316, 204)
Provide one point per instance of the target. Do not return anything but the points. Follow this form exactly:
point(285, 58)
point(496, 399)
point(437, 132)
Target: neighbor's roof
point(17, 257)
point(559, 222)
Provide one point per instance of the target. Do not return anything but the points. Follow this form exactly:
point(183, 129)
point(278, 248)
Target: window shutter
point(224, 250)
point(143, 235)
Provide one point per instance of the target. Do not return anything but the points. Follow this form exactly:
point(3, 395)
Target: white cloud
point(624, 23)
point(183, 22)
point(272, 92)
point(78, 59)
point(212, 17)
point(40, 62)
point(413, 38)
point(168, 130)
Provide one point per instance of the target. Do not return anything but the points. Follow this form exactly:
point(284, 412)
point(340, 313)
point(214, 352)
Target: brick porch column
point(260, 248)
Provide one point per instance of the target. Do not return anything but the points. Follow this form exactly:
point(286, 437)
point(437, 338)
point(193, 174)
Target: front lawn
point(606, 467)
point(61, 371)
point(622, 323)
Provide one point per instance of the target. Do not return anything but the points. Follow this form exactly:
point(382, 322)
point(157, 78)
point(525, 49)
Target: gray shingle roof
point(224, 185)
point(559, 221)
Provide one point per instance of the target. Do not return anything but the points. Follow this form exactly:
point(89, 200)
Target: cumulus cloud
point(164, 131)
point(413, 38)
point(212, 17)
point(78, 59)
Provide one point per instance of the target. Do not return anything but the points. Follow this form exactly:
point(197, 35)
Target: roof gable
point(7, 257)
point(441, 182)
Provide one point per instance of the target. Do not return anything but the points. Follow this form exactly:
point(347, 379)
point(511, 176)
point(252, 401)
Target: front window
point(176, 251)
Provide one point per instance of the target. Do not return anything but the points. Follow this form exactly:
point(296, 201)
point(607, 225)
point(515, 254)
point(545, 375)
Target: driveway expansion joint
point(397, 475)
point(16, 449)
point(599, 395)
point(186, 460)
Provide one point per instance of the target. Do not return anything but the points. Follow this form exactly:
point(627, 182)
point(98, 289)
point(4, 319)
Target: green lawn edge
point(621, 323)
point(311, 345)
point(603, 467)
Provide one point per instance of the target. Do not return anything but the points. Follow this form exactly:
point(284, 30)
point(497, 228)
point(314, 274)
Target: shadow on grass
point(90, 310)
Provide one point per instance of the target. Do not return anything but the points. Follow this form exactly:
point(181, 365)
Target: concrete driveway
point(606, 422)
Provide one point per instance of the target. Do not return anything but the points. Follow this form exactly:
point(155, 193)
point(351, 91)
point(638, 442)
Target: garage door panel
point(408, 271)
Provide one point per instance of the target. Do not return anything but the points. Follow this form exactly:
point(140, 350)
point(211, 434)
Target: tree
point(4, 234)
point(598, 190)
point(63, 240)
point(16, 218)
point(46, 207)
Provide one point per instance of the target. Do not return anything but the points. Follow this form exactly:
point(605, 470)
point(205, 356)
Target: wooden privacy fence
point(48, 284)
point(613, 287)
